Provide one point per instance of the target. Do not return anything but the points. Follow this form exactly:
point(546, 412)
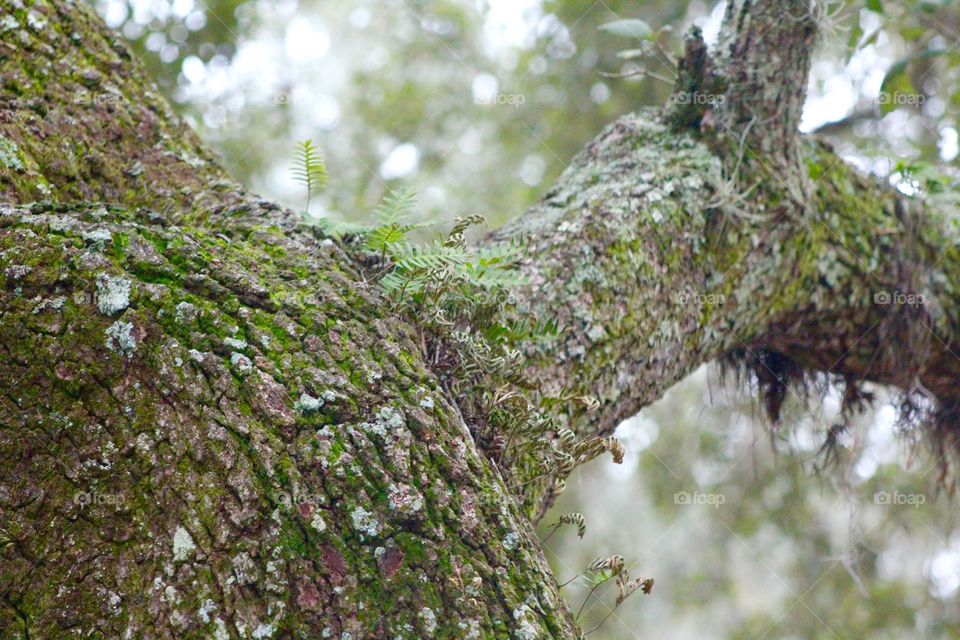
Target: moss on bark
point(201, 441)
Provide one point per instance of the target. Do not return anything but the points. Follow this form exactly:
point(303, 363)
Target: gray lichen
point(365, 523)
point(241, 362)
point(10, 155)
point(185, 313)
point(235, 344)
point(113, 294)
point(120, 338)
point(183, 544)
point(308, 404)
point(429, 619)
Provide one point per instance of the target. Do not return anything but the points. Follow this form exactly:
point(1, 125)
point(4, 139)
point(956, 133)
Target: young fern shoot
point(308, 169)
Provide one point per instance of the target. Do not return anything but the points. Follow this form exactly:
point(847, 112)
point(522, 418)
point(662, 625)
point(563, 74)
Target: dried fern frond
point(590, 449)
point(611, 566)
point(576, 519)
point(627, 587)
point(566, 439)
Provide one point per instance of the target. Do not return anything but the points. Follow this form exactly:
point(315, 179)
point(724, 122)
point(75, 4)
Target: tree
point(213, 425)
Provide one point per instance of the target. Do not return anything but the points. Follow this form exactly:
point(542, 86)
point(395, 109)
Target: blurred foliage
point(479, 106)
point(746, 540)
point(446, 94)
point(164, 33)
point(491, 116)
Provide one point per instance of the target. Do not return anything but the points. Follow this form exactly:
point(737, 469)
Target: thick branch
point(249, 504)
point(656, 268)
point(763, 58)
point(210, 426)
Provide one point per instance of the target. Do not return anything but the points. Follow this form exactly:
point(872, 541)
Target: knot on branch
point(697, 90)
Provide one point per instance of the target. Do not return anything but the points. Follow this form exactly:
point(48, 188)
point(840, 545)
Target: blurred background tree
point(479, 105)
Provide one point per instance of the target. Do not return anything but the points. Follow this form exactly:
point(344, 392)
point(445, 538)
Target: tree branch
point(195, 393)
point(763, 58)
point(655, 268)
point(666, 244)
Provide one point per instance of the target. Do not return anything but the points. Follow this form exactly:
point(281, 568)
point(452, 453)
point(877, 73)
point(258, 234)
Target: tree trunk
point(211, 426)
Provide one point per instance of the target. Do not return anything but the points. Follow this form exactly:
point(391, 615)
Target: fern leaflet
point(308, 168)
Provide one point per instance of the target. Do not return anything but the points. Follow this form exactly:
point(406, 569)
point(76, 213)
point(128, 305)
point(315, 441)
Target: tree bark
point(212, 427)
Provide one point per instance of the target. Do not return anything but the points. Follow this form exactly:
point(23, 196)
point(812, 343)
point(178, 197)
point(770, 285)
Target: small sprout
point(602, 569)
point(308, 169)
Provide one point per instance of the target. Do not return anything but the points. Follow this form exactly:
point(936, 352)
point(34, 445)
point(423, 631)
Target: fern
point(431, 256)
point(308, 168)
point(392, 228)
point(520, 330)
point(457, 295)
point(396, 207)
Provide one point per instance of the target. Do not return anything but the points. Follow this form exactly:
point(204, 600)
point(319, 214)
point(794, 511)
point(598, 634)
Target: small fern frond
point(396, 282)
point(522, 330)
point(308, 168)
point(431, 256)
point(492, 277)
point(396, 207)
point(504, 254)
point(384, 238)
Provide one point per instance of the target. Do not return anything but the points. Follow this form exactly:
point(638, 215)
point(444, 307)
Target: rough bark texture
point(643, 256)
point(80, 121)
point(211, 427)
point(763, 59)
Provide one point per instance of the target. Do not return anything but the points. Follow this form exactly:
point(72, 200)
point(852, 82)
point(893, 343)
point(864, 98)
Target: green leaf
point(629, 28)
point(875, 6)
